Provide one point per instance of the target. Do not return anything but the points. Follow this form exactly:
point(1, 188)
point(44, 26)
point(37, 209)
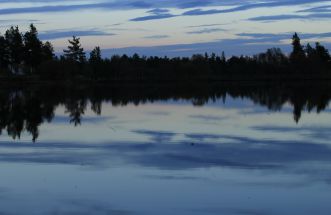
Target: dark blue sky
point(172, 27)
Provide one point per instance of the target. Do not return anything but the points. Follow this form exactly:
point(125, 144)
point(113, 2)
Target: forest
point(23, 56)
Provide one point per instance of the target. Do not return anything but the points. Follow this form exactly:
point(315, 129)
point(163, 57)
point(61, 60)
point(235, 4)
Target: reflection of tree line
point(23, 109)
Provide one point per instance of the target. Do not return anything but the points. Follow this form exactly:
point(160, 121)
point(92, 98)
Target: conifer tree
point(298, 54)
point(95, 55)
point(33, 48)
point(75, 52)
point(15, 46)
point(47, 51)
point(4, 53)
point(322, 53)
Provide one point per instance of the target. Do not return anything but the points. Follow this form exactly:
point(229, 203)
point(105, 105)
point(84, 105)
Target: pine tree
point(322, 53)
point(75, 52)
point(311, 52)
point(95, 55)
point(47, 51)
point(298, 54)
point(16, 47)
point(33, 48)
point(4, 53)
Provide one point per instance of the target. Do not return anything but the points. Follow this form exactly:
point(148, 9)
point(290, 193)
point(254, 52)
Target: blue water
point(171, 158)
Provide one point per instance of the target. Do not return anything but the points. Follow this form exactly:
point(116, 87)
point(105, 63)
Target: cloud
point(206, 31)
point(57, 34)
point(245, 43)
point(154, 14)
point(153, 17)
point(320, 9)
point(157, 37)
point(205, 25)
point(291, 16)
point(158, 11)
point(238, 5)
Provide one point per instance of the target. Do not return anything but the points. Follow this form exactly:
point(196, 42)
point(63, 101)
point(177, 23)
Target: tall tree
point(75, 52)
point(33, 48)
point(15, 46)
point(298, 54)
point(4, 53)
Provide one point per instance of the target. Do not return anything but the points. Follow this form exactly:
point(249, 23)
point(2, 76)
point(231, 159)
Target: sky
point(173, 27)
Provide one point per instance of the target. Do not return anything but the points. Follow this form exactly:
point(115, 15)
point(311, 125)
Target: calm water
point(234, 153)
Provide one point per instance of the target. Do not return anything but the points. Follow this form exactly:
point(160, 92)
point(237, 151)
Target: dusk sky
point(172, 27)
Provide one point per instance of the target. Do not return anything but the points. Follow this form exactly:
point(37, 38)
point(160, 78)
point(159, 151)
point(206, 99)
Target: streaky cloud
point(206, 31)
point(153, 17)
point(157, 37)
point(148, 4)
point(58, 34)
point(291, 16)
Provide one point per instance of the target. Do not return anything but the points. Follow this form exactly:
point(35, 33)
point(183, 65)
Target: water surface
point(235, 151)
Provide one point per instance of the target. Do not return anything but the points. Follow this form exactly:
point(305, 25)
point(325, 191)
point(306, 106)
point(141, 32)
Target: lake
point(234, 149)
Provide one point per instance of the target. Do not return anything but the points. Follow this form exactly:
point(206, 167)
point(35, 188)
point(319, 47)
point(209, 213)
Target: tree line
point(25, 55)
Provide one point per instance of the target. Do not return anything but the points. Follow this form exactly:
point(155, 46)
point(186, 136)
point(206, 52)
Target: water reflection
point(148, 150)
point(26, 108)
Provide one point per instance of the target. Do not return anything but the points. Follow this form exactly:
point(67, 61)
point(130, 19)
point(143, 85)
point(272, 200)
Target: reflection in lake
point(27, 108)
point(216, 149)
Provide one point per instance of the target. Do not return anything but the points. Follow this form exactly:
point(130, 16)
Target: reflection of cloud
point(85, 119)
point(82, 206)
point(210, 150)
point(232, 211)
point(172, 177)
point(158, 113)
point(317, 133)
point(157, 136)
point(209, 117)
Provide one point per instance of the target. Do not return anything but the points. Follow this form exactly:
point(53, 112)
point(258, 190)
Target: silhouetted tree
point(75, 52)
point(298, 54)
point(33, 48)
point(16, 48)
point(95, 56)
point(322, 53)
point(4, 53)
point(47, 51)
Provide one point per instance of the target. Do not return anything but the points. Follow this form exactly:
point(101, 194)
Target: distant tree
point(319, 54)
point(75, 52)
point(32, 48)
point(95, 55)
point(223, 58)
point(15, 46)
point(322, 53)
point(310, 52)
point(275, 56)
point(4, 53)
point(298, 54)
point(47, 51)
